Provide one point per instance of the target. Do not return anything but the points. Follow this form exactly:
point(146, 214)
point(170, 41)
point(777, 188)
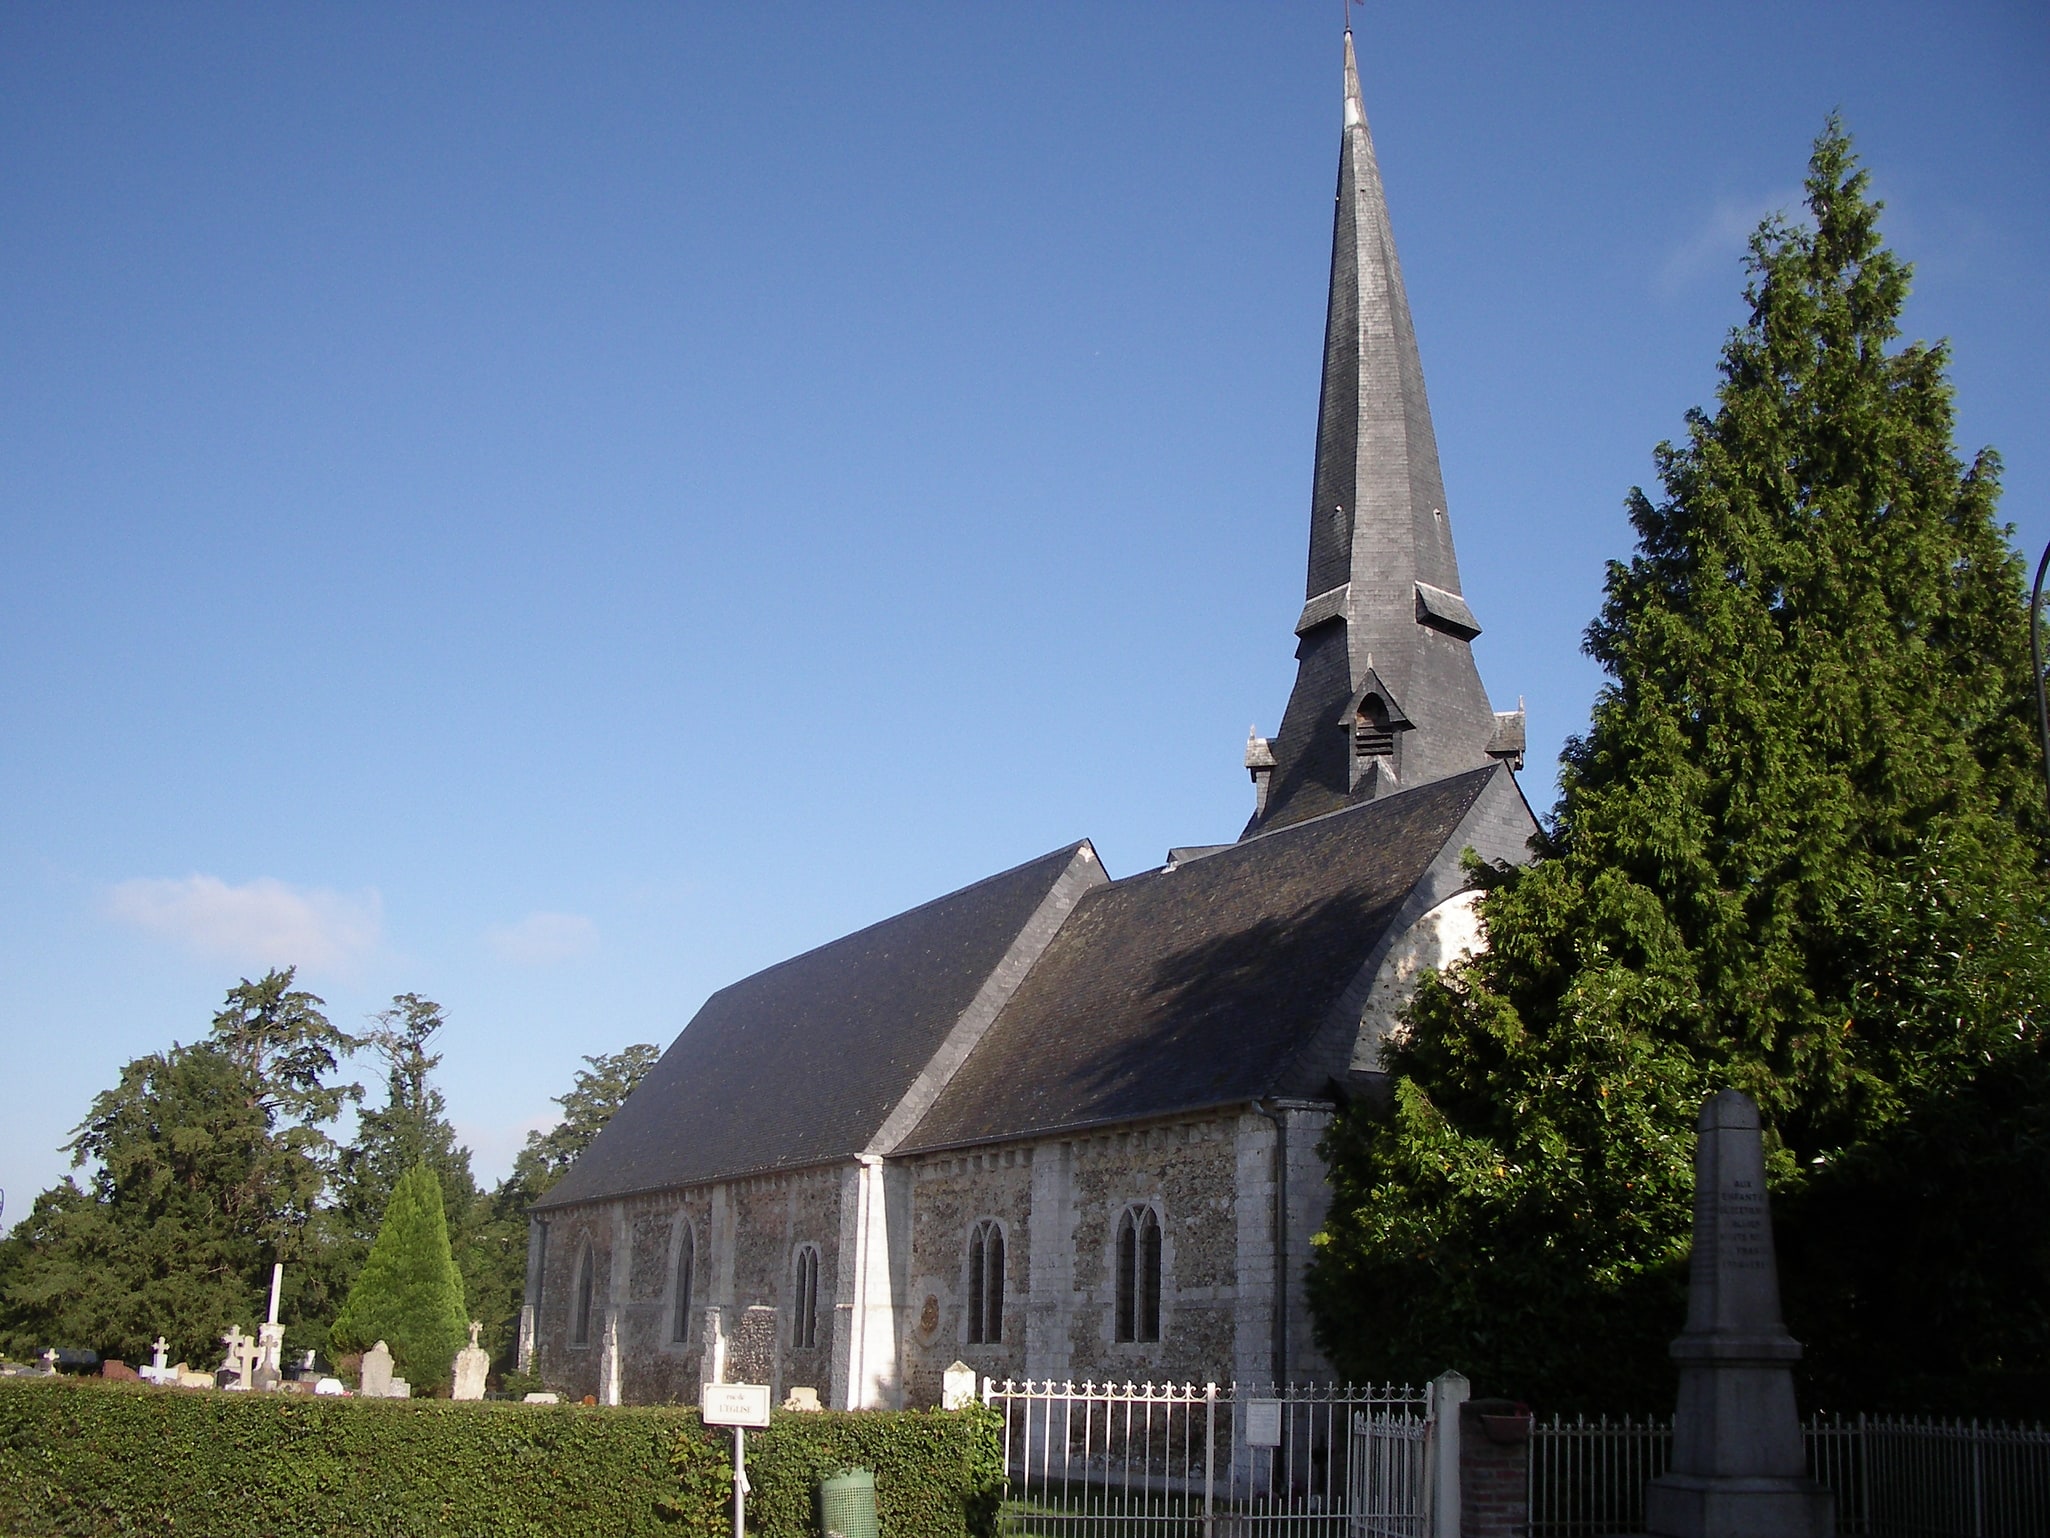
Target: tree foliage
point(409, 1294)
point(411, 1128)
point(208, 1162)
point(1799, 851)
point(597, 1092)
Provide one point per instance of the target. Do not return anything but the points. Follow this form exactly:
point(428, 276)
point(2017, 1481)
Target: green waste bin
point(847, 1505)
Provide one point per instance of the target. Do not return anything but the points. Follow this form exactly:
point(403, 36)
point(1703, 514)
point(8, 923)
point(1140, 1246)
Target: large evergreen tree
point(1799, 851)
point(410, 1128)
point(409, 1294)
point(207, 1162)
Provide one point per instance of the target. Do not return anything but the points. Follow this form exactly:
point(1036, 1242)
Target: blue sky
point(557, 507)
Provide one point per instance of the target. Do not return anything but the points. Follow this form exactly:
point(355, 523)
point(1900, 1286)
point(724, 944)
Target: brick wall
point(1494, 1469)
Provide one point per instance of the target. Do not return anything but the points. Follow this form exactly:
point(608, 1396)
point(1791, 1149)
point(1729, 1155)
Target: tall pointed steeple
point(1386, 693)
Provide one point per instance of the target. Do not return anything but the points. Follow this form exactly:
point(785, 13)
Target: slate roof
point(1382, 591)
point(803, 1062)
point(1205, 984)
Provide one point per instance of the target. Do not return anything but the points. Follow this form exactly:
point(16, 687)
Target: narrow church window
point(1372, 736)
point(1138, 1291)
point(580, 1303)
point(679, 1325)
point(986, 1284)
point(804, 1313)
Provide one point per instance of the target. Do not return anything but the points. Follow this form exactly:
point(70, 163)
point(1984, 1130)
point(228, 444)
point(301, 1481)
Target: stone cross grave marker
point(241, 1359)
point(472, 1367)
point(1738, 1461)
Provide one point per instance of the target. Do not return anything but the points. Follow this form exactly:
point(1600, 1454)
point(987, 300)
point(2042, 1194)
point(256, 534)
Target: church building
point(1059, 1124)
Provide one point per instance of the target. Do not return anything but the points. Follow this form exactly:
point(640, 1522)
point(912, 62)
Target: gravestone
point(400, 1389)
point(238, 1368)
point(270, 1335)
point(1739, 1466)
point(751, 1355)
point(472, 1366)
point(957, 1387)
point(376, 1379)
point(327, 1387)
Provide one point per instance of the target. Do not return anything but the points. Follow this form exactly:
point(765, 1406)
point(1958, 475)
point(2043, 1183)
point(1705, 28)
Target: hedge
point(91, 1458)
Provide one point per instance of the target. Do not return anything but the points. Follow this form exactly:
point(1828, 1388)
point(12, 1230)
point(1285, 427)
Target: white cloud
point(542, 939)
point(260, 923)
point(1720, 241)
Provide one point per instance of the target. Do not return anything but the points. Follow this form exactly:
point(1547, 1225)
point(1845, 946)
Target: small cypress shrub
point(409, 1294)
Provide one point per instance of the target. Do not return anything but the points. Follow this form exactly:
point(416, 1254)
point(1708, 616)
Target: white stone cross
point(50, 1358)
point(476, 1329)
point(159, 1353)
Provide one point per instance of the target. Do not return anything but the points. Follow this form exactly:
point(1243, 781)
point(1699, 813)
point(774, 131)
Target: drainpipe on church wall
point(1280, 1240)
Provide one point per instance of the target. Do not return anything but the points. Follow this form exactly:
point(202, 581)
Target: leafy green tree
point(1799, 851)
point(409, 1293)
point(410, 1128)
point(207, 1165)
point(597, 1092)
point(494, 1251)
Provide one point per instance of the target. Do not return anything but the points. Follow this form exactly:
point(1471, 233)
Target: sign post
point(739, 1405)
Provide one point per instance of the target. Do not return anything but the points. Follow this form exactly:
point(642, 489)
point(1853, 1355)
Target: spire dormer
point(1383, 617)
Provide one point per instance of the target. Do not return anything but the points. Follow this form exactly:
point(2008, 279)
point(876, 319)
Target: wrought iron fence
point(1106, 1460)
point(1388, 1488)
point(1893, 1477)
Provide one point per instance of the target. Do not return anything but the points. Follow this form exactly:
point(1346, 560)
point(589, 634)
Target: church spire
point(1386, 692)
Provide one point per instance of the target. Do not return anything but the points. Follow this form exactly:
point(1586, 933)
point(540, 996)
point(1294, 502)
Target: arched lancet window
point(580, 1298)
point(1138, 1302)
point(986, 1284)
point(1372, 736)
point(679, 1313)
point(804, 1312)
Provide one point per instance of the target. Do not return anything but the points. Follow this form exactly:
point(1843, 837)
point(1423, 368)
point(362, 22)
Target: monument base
point(1738, 1506)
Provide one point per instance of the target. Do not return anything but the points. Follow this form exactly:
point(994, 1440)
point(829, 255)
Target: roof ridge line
point(1084, 874)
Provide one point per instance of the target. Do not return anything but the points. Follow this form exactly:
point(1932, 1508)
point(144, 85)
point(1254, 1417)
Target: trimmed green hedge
point(91, 1458)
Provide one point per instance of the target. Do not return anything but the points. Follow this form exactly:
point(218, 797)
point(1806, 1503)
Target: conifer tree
point(206, 1163)
point(409, 1294)
point(1800, 851)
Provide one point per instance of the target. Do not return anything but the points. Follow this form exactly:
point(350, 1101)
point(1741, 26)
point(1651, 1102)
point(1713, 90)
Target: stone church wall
point(1209, 1179)
point(744, 1239)
point(1059, 1201)
point(951, 1193)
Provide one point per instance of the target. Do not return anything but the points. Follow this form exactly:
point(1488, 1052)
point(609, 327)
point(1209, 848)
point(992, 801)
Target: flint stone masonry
point(751, 1358)
point(1739, 1469)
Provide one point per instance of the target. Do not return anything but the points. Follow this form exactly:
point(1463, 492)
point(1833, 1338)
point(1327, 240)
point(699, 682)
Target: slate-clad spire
point(1386, 693)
